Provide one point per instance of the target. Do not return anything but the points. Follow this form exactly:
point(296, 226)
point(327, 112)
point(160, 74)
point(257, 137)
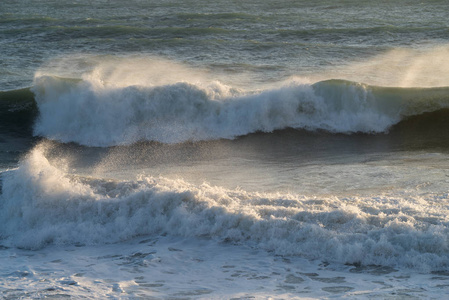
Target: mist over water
point(399, 67)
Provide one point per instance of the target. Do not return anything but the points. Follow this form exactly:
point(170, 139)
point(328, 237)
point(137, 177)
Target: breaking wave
point(93, 113)
point(43, 205)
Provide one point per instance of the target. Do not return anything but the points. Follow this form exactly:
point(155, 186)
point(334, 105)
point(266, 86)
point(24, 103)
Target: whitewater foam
point(42, 205)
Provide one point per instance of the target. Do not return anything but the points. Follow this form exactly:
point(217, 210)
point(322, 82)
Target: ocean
point(224, 149)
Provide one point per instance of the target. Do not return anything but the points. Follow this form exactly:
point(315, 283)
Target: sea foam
point(42, 204)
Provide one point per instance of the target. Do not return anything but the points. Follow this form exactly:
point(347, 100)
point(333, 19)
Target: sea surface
point(224, 149)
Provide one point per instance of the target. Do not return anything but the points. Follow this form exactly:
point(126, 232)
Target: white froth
point(42, 205)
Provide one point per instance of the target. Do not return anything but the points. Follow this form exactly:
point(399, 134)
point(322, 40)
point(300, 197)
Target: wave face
point(93, 113)
point(42, 205)
point(18, 111)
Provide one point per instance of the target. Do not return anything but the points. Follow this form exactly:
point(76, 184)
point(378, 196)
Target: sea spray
point(398, 67)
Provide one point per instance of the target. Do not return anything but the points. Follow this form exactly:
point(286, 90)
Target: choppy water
point(313, 132)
